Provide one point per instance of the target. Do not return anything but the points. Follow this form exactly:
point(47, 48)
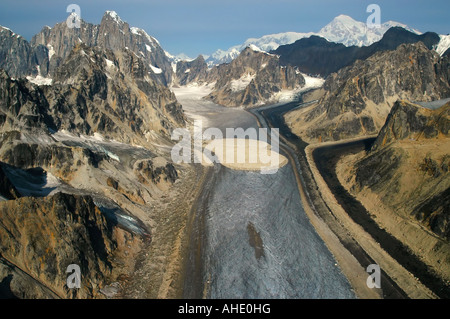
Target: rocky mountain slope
point(18, 57)
point(358, 98)
point(97, 91)
point(49, 48)
point(83, 158)
point(404, 179)
point(316, 55)
point(31, 240)
point(252, 79)
point(112, 33)
point(191, 71)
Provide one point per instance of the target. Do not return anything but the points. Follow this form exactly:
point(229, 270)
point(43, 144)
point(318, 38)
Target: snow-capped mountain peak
point(342, 29)
point(114, 16)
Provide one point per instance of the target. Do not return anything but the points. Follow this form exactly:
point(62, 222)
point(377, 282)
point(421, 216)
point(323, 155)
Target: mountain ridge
point(338, 31)
point(358, 98)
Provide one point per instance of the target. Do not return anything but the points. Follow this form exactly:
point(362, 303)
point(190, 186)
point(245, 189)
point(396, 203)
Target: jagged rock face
point(112, 33)
point(409, 121)
point(408, 165)
point(94, 90)
point(22, 105)
point(30, 239)
point(358, 98)
point(315, 55)
point(251, 79)
point(192, 71)
point(18, 57)
point(147, 171)
point(409, 72)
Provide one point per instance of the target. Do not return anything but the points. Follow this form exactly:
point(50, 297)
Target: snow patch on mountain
point(290, 95)
point(114, 16)
point(344, 29)
point(443, 45)
point(155, 69)
point(40, 80)
point(51, 51)
point(241, 83)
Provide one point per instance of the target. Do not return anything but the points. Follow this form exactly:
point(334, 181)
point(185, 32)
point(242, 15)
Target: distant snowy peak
point(344, 29)
point(178, 57)
point(265, 44)
point(174, 59)
point(221, 56)
point(273, 41)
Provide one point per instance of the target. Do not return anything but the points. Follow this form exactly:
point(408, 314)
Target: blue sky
point(202, 26)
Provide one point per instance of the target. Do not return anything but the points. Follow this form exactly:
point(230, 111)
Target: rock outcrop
point(112, 33)
point(253, 78)
point(19, 58)
point(358, 98)
point(195, 71)
point(410, 121)
point(51, 46)
point(43, 236)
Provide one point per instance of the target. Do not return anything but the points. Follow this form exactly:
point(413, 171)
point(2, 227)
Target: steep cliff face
point(19, 58)
point(112, 33)
point(122, 97)
point(358, 98)
point(410, 121)
point(22, 105)
point(192, 71)
point(30, 239)
point(252, 79)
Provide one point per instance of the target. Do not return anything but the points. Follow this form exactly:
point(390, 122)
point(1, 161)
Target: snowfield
point(241, 83)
